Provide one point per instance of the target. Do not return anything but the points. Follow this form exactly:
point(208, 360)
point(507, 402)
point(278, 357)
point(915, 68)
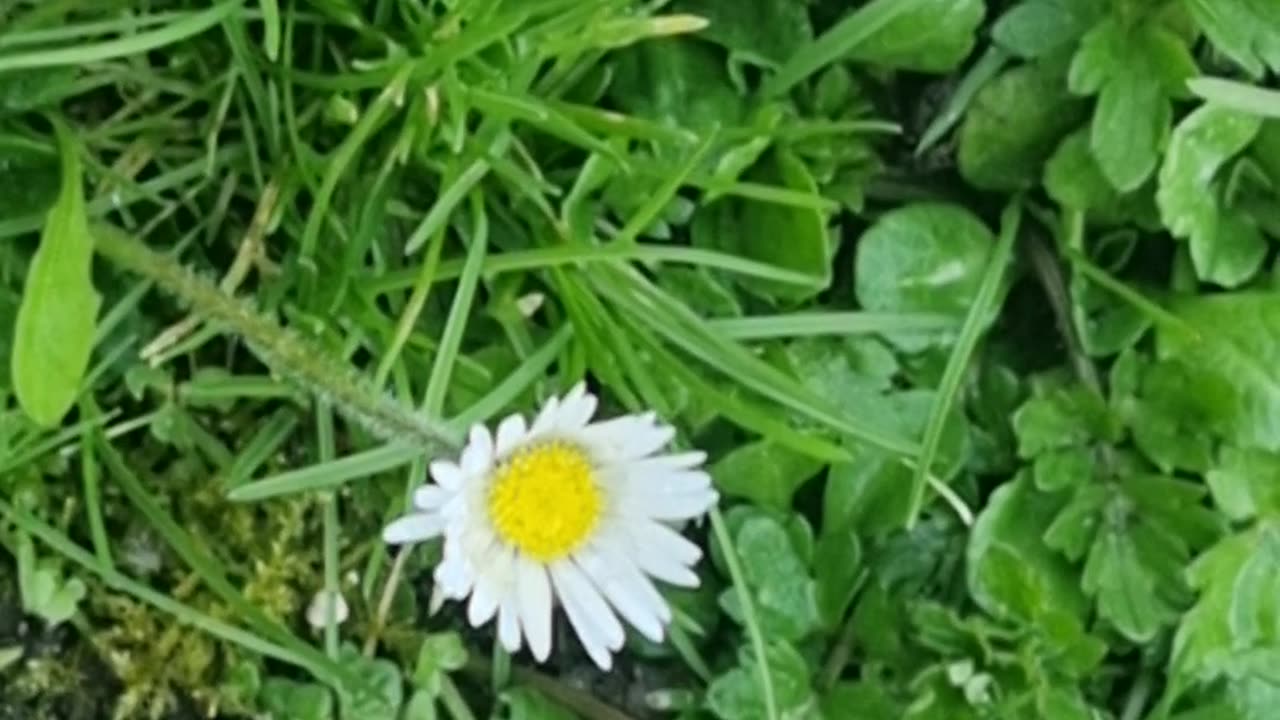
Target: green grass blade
point(835, 43)
point(814, 323)
point(671, 319)
point(459, 313)
point(530, 371)
point(328, 475)
point(975, 323)
point(1237, 95)
point(553, 257)
point(191, 24)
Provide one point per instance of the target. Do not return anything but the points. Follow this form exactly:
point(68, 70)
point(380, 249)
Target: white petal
point(576, 409)
point(666, 463)
point(662, 552)
point(447, 474)
point(454, 576)
point(534, 593)
point(509, 624)
point(593, 622)
point(647, 443)
point(625, 588)
point(682, 506)
point(546, 418)
point(510, 432)
point(477, 456)
point(492, 583)
point(431, 497)
point(413, 528)
point(672, 482)
point(627, 438)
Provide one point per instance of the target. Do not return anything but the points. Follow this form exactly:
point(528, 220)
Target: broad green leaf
point(1126, 592)
point(1232, 364)
point(791, 238)
point(785, 595)
point(1058, 418)
point(1133, 70)
point(1061, 469)
point(1247, 31)
point(925, 257)
point(865, 699)
point(1011, 572)
point(1244, 97)
point(837, 563)
point(382, 691)
point(1226, 248)
point(1239, 584)
point(53, 335)
point(736, 694)
point(44, 592)
point(421, 706)
point(872, 492)
point(765, 473)
point(763, 31)
point(1166, 421)
point(288, 700)
point(1037, 28)
point(926, 36)
point(1012, 126)
point(440, 654)
point(1074, 180)
point(676, 81)
point(1061, 704)
point(1246, 483)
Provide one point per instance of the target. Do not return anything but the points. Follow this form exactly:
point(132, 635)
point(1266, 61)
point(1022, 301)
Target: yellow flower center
point(544, 500)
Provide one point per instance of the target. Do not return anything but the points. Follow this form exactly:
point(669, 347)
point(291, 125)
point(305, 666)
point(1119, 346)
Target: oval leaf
point(53, 337)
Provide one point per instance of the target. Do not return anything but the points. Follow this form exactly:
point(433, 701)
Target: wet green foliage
point(972, 304)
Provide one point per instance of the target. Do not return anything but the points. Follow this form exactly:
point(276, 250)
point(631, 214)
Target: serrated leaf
point(1226, 248)
point(1058, 418)
point(1248, 31)
point(53, 335)
point(1232, 364)
point(1126, 592)
point(1133, 69)
point(1246, 482)
point(1011, 572)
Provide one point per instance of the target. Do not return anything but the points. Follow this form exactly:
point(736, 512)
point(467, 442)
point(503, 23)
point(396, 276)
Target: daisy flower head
point(563, 509)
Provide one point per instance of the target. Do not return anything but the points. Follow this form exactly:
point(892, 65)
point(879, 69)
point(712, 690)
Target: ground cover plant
point(970, 304)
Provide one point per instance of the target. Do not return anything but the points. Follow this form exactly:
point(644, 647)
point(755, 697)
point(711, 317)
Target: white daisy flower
point(565, 510)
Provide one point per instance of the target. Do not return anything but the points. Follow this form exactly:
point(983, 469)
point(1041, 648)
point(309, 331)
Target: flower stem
point(283, 350)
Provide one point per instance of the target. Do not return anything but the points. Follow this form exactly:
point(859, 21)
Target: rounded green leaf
point(927, 257)
point(1012, 127)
